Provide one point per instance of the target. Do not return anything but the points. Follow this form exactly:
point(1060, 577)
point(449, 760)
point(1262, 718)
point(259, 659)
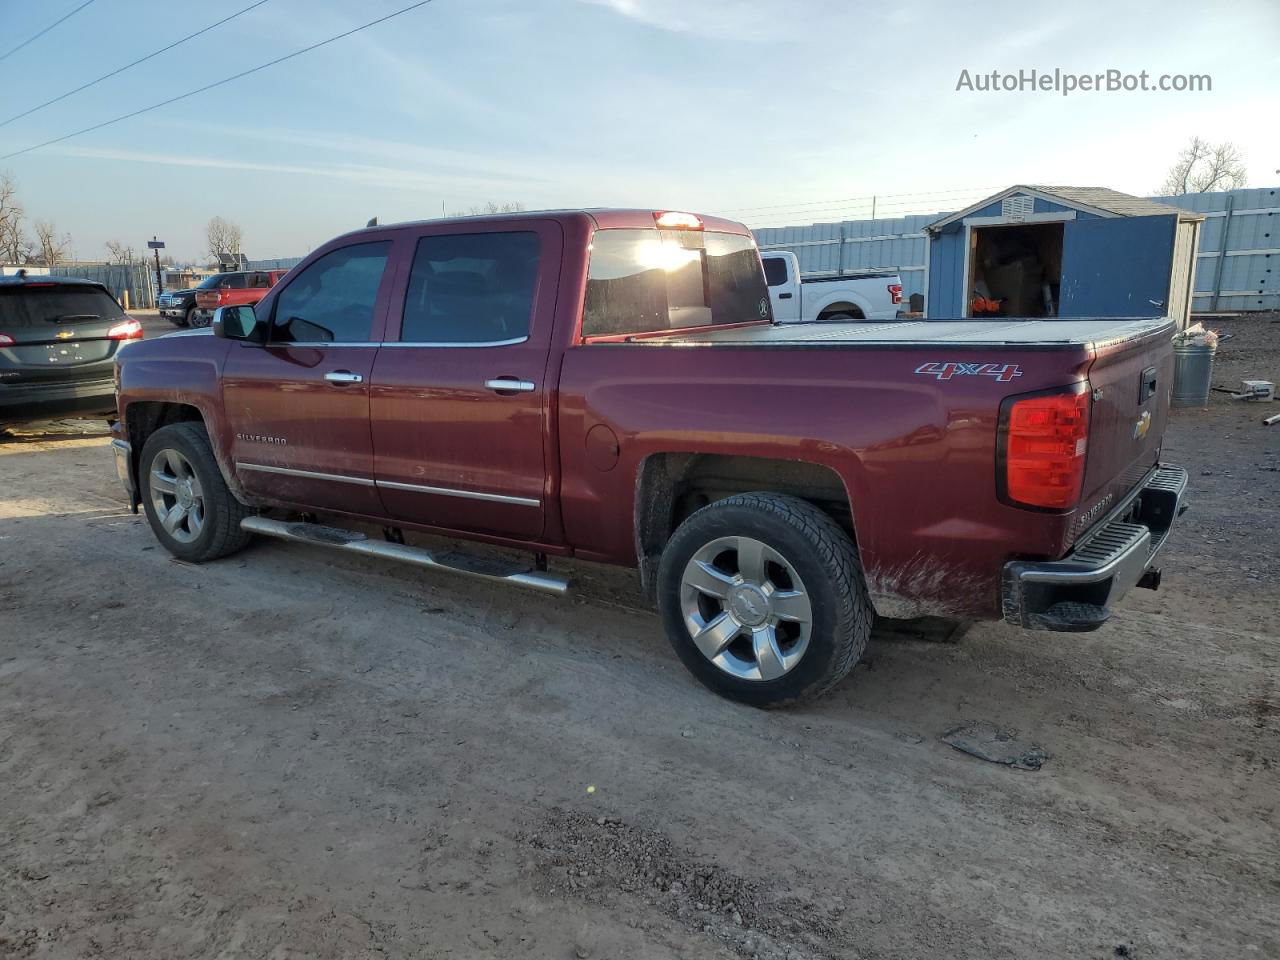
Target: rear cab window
point(649, 281)
point(775, 271)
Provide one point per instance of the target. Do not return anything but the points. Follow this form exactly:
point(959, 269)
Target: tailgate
point(1131, 380)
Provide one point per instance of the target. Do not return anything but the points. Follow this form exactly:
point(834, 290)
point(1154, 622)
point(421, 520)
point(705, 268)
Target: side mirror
point(238, 323)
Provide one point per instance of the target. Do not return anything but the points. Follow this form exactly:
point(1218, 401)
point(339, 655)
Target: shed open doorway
point(1015, 270)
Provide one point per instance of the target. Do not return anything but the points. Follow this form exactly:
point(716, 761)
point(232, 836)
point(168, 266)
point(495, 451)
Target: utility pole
point(157, 246)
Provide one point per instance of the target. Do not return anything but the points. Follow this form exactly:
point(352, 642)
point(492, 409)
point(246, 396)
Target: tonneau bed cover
point(1024, 332)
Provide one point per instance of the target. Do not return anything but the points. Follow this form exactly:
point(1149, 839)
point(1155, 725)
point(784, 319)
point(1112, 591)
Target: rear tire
point(191, 511)
point(763, 599)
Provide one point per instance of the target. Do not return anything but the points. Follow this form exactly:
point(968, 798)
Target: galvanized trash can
point(1193, 370)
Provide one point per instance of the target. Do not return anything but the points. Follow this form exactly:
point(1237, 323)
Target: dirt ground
point(292, 754)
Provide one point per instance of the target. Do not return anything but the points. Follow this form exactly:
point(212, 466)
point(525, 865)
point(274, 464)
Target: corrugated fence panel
point(1248, 278)
point(138, 278)
point(1244, 272)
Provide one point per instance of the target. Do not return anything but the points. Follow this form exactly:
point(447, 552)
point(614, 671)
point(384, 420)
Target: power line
point(881, 196)
point(45, 30)
point(218, 83)
point(149, 56)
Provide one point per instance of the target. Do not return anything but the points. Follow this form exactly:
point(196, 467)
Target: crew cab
point(876, 295)
point(59, 338)
point(611, 386)
point(235, 288)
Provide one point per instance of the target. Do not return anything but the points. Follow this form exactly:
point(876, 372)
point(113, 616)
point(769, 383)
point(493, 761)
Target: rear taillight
point(895, 293)
point(6, 340)
point(128, 330)
point(1043, 446)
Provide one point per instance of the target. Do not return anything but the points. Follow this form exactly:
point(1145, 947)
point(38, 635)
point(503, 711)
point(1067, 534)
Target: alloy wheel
point(177, 496)
point(746, 608)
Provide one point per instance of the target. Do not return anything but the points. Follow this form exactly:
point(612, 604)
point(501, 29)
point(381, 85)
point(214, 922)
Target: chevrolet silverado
point(610, 385)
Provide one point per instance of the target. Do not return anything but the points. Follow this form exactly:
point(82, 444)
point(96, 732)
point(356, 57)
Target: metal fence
point(137, 278)
point(1236, 264)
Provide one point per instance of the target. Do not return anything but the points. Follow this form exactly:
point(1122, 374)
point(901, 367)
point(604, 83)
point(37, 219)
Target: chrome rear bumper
point(1074, 593)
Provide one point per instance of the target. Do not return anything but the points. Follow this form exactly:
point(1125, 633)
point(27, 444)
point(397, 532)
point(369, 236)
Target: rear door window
point(645, 281)
point(471, 288)
point(332, 300)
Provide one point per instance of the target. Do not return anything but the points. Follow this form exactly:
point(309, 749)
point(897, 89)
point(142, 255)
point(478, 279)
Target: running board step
point(352, 541)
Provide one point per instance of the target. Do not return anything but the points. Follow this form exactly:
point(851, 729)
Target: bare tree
point(489, 209)
point(222, 236)
point(51, 248)
point(13, 244)
point(1202, 167)
point(120, 252)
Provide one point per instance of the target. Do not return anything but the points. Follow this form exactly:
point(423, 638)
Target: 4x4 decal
point(945, 370)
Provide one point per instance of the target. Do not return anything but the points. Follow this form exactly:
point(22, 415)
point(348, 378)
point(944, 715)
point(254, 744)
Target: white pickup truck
point(875, 296)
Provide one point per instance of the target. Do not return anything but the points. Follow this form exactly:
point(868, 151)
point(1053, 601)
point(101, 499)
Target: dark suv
point(58, 342)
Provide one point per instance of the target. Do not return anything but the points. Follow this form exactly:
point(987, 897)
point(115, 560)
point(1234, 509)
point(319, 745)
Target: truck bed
point(978, 333)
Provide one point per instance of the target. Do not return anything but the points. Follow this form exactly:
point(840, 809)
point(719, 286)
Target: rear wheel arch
point(670, 487)
point(842, 308)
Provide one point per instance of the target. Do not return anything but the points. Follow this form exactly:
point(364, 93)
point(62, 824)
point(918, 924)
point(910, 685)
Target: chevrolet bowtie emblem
point(1142, 426)
point(66, 334)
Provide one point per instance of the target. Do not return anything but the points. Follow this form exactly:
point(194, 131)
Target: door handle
point(784, 296)
point(343, 376)
point(511, 385)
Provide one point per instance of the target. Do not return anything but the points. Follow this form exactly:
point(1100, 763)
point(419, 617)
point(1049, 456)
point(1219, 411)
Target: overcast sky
point(774, 111)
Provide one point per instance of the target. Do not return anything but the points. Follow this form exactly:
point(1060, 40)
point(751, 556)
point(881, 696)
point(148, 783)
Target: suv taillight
point(128, 330)
point(1044, 439)
point(895, 293)
point(6, 340)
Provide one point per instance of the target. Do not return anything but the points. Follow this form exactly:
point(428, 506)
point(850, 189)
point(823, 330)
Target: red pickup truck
point(235, 288)
point(610, 385)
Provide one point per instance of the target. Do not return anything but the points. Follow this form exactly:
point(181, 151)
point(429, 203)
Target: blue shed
point(1033, 251)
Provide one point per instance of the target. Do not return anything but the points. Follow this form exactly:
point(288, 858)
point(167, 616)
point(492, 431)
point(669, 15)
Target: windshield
point(642, 281)
point(22, 306)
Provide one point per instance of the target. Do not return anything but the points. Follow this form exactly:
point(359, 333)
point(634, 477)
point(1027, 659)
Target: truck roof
point(603, 217)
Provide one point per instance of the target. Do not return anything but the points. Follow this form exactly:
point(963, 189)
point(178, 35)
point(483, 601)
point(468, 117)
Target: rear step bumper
point(353, 541)
point(1073, 594)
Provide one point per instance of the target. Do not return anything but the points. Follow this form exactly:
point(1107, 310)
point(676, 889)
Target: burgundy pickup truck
point(609, 385)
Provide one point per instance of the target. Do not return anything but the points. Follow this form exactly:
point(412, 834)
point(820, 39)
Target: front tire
point(191, 511)
point(763, 599)
point(197, 318)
